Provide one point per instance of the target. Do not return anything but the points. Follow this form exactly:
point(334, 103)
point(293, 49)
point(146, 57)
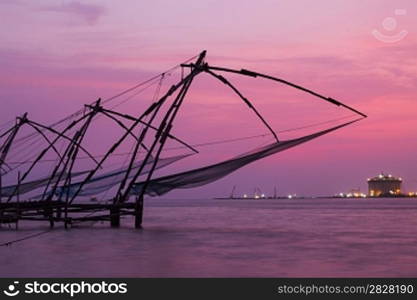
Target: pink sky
point(57, 55)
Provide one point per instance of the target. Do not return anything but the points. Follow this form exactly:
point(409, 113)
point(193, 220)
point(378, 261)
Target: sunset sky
point(57, 55)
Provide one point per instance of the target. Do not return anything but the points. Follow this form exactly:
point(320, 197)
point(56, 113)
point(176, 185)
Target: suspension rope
point(77, 113)
point(223, 141)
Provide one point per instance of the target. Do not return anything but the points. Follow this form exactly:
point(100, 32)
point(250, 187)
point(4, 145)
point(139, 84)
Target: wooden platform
point(57, 211)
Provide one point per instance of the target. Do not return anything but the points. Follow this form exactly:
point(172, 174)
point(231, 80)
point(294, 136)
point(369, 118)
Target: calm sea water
point(223, 238)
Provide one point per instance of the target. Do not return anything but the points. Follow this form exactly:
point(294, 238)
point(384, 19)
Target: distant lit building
point(384, 185)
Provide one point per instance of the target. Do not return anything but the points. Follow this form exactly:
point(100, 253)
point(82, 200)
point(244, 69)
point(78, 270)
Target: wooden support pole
point(51, 216)
point(138, 212)
point(67, 222)
point(161, 136)
point(18, 199)
point(58, 212)
point(115, 216)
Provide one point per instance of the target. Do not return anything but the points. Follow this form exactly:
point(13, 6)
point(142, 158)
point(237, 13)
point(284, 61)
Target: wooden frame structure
point(57, 204)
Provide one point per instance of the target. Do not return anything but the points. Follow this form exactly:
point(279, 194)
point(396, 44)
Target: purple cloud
point(89, 12)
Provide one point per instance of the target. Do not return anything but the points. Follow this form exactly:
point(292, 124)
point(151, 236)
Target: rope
point(9, 243)
point(22, 142)
point(259, 135)
point(79, 112)
point(205, 144)
point(6, 124)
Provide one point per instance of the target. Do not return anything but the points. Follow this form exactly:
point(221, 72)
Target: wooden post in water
point(115, 215)
point(18, 200)
point(1, 211)
point(58, 212)
point(51, 216)
point(67, 222)
point(139, 212)
point(1, 195)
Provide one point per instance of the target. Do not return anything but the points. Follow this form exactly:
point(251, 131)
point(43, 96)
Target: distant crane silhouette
point(232, 194)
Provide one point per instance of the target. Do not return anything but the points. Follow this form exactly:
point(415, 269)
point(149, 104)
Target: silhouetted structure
point(59, 191)
point(384, 185)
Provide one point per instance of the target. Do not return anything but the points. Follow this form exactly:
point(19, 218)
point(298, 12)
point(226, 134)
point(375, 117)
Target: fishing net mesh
point(205, 175)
